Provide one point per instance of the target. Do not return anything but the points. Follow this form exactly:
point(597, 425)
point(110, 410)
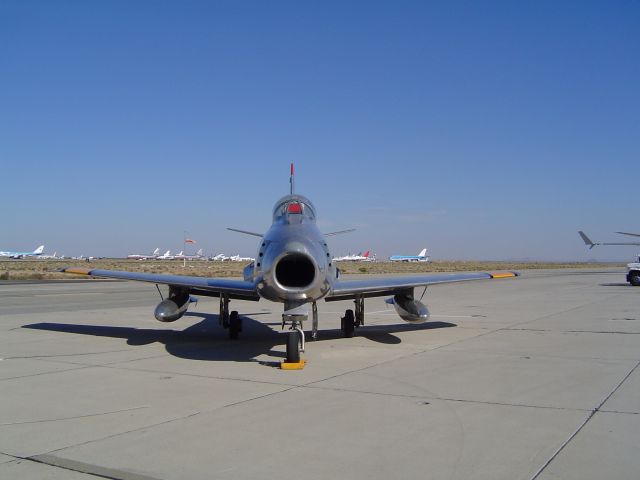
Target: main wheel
point(634, 279)
point(235, 325)
point(348, 323)
point(293, 347)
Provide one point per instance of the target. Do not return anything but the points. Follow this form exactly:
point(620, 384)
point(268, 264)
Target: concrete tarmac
point(528, 378)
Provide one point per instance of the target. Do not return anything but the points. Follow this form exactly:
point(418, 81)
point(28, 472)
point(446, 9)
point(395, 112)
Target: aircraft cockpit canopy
point(294, 206)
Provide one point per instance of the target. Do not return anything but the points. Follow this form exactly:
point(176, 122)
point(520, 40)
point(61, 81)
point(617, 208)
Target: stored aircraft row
point(199, 255)
point(293, 266)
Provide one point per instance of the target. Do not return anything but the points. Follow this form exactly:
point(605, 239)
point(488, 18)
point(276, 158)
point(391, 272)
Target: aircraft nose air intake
point(295, 270)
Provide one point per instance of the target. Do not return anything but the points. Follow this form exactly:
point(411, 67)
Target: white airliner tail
point(423, 253)
point(39, 250)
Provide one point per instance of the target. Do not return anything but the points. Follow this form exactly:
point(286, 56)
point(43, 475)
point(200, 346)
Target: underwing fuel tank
point(409, 309)
point(173, 307)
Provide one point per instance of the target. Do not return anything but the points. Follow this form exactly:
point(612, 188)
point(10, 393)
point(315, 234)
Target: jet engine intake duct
point(409, 309)
point(173, 307)
point(295, 270)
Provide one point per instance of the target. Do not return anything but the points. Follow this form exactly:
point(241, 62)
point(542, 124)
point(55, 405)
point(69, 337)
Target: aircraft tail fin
point(586, 240)
point(39, 250)
point(423, 253)
point(200, 253)
point(366, 254)
point(156, 251)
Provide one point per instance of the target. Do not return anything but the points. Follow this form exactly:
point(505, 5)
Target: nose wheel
point(294, 340)
point(294, 315)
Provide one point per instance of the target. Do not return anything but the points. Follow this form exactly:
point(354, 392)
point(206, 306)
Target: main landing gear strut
point(229, 321)
point(350, 322)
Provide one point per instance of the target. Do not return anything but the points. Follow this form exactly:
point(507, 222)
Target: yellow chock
point(284, 365)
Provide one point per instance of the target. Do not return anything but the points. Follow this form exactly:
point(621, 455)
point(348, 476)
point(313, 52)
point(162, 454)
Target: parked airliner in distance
point(293, 266)
point(238, 258)
point(151, 256)
point(361, 257)
point(38, 251)
point(199, 255)
point(421, 257)
point(50, 257)
point(165, 256)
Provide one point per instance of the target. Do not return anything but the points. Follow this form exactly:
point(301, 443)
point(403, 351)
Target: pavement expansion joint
point(582, 425)
point(448, 399)
point(87, 468)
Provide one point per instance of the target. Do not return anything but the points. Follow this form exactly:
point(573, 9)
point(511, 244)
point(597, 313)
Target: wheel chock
point(284, 365)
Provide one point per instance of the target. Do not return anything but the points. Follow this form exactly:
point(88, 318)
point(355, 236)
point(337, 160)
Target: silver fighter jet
point(293, 266)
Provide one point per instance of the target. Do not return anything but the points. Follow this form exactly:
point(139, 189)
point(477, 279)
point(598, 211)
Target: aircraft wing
point(383, 286)
point(238, 289)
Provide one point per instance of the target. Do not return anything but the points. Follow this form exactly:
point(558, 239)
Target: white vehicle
point(633, 273)
point(136, 256)
point(633, 269)
point(221, 257)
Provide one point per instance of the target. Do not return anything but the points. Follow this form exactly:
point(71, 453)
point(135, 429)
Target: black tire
point(293, 347)
point(634, 279)
point(235, 325)
point(348, 323)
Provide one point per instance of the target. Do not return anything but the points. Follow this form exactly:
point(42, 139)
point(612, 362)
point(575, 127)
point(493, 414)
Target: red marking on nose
point(294, 208)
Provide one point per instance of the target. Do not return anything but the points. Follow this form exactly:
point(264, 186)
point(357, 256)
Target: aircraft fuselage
point(293, 264)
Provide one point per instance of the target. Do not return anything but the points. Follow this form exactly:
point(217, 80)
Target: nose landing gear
point(295, 315)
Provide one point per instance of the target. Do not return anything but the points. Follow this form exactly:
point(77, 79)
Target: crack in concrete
point(569, 331)
point(75, 416)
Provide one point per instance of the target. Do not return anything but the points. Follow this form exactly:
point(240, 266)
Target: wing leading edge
point(378, 287)
point(238, 289)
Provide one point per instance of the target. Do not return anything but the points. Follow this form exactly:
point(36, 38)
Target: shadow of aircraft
point(206, 340)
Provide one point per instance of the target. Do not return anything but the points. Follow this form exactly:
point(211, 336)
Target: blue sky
point(481, 130)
